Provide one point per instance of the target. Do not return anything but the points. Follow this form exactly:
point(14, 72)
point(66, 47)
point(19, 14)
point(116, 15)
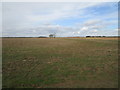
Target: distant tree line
point(102, 36)
point(42, 37)
point(95, 36)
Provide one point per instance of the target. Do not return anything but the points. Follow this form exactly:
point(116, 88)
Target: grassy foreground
point(60, 62)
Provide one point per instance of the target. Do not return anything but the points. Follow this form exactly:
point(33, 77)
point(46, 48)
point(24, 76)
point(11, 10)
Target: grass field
point(60, 62)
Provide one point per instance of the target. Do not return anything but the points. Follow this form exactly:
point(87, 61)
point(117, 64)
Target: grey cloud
point(92, 22)
point(41, 30)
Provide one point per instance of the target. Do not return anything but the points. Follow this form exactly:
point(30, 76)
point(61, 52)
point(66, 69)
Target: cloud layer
point(64, 19)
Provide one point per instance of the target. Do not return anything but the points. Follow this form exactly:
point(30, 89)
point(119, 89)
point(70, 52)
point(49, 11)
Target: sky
point(66, 19)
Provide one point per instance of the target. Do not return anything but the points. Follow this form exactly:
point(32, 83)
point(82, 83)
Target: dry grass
point(60, 62)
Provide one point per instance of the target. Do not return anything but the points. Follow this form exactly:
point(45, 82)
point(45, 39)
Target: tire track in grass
point(26, 75)
point(32, 68)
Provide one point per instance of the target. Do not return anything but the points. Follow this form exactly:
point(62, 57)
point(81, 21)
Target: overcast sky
point(33, 19)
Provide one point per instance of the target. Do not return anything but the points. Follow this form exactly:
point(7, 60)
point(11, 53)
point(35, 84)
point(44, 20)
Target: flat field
point(60, 62)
